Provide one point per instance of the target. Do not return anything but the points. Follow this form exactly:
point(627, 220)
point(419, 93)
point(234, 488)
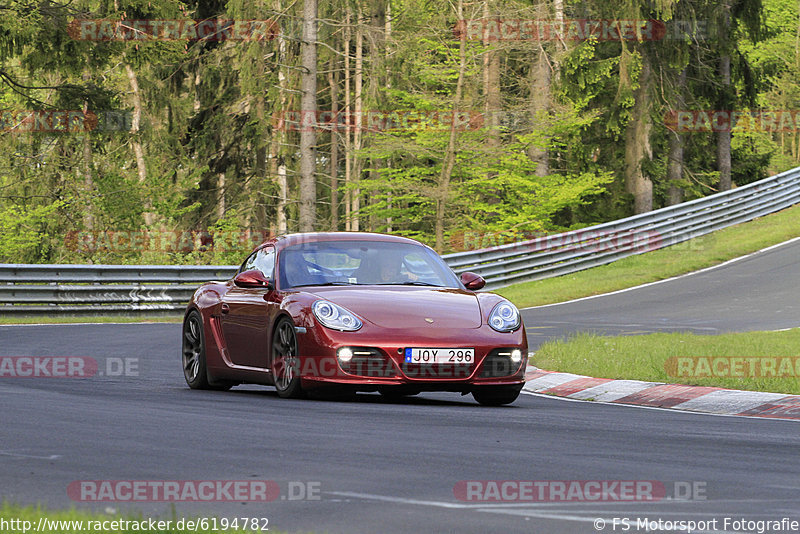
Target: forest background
point(131, 133)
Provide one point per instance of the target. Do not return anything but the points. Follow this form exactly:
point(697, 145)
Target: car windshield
point(363, 263)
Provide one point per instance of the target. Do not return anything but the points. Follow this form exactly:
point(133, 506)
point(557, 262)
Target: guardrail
point(165, 289)
point(107, 289)
point(576, 250)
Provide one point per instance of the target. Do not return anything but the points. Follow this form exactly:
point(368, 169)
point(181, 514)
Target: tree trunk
point(255, 214)
point(359, 84)
point(220, 195)
point(675, 158)
point(675, 169)
point(277, 161)
point(138, 153)
point(540, 105)
point(283, 195)
point(724, 136)
point(334, 163)
point(308, 107)
point(88, 180)
point(388, 34)
point(491, 89)
point(449, 161)
point(348, 220)
point(377, 79)
point(637, 144)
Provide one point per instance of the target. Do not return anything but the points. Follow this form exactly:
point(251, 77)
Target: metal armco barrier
point(568, 252)
point(102, 289)
point(154, 289)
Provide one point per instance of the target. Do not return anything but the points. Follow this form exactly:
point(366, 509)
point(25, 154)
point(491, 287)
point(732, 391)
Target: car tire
point(284, 362)
point(496, 395)
point(193, 354)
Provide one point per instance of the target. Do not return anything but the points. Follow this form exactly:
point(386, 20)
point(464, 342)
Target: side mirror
point(253, 278)
point(472, 281)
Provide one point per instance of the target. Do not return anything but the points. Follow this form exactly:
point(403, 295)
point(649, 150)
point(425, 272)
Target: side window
point(264, 261)
point(250, 263)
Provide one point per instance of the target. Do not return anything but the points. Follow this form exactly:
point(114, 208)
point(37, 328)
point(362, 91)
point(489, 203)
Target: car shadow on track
point(365, 398)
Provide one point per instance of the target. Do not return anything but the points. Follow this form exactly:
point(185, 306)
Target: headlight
point(504, 317)
point(335, 317)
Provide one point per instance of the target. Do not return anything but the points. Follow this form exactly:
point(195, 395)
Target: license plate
point(439, 355)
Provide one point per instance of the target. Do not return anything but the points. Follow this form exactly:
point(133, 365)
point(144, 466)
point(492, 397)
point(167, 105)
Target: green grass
point(34, 513)
point(653, 358)
point(55, 319)
point(682, 258)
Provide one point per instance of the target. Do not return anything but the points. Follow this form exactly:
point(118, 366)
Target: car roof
point(315, 237)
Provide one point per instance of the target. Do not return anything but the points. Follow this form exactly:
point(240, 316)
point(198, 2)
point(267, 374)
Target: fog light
point(345, 354)
point(516, 355)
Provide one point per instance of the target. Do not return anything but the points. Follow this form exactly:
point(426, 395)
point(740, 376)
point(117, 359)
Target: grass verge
point(683, 358)
point(27, 518)
point(692, 255)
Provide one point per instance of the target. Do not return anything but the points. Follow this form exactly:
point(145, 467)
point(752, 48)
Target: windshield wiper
point(410, 283)
point(329, 284)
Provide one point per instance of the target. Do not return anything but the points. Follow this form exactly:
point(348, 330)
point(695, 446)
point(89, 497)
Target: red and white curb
point(701, 399)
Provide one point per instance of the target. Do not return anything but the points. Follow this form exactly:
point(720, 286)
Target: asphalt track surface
point(383, 466)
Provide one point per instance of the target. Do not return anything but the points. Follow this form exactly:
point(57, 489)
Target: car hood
point(407, 307)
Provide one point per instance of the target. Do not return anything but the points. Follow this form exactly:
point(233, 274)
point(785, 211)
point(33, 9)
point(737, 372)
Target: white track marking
point(17, 455)
point(86, 324)
point(552, 510)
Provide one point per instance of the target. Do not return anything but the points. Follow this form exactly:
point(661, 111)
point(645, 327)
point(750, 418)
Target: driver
point(389, 272)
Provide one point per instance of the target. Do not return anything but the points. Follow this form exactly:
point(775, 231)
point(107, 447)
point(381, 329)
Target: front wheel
point(496, 395)
point(285, 361)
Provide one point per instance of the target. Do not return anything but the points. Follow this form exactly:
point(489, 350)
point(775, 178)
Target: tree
point(308, 106)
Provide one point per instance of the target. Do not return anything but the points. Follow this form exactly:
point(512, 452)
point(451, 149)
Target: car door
point(246, 312)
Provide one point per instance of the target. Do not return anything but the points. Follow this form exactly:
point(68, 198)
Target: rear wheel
point(194, 352)
point(496, 395)
point(285, 361)
point(195, 370)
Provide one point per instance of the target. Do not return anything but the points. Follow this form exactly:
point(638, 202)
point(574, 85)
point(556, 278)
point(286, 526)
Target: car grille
point(498, 363)
point(439, 371)
point(371, 362)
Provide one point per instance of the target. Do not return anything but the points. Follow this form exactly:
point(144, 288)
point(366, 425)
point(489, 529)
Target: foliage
point(205, 158)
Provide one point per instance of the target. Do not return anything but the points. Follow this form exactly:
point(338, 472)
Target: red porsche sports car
point(353, 311)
